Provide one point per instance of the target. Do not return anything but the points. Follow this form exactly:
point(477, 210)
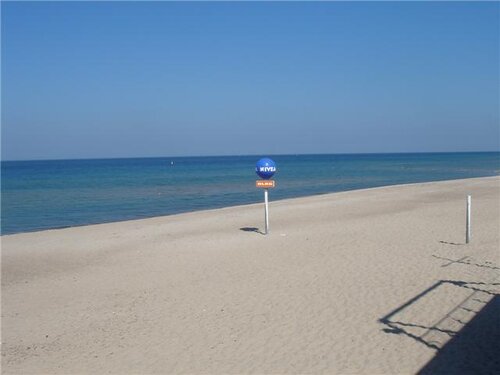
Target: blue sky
point(126, 79)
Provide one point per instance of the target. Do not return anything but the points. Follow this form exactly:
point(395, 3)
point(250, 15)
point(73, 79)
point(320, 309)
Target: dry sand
point(362, 282)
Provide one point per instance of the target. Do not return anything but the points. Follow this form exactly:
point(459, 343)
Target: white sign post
point(467, 220)
point(266, 185)
point(266, 201)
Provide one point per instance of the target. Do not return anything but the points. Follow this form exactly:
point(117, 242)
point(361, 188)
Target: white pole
point(267, 210)
point(467, 221)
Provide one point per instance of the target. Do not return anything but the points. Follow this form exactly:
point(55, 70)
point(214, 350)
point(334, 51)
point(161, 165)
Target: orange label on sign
point(265, 183)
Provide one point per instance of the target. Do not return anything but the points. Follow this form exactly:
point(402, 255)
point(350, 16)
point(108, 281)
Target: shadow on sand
point(474, 349)
point(464, 260)
point(452, 243)
point(252, 229)
point(466, 339)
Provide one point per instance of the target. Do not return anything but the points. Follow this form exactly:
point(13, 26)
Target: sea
point(48, 194)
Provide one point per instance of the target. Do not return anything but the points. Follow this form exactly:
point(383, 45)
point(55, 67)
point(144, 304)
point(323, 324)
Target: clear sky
point(126, 79)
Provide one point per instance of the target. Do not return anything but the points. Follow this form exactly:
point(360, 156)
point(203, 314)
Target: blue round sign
point(265, 168)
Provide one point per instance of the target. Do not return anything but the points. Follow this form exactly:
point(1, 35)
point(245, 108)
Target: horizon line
point(247, 155)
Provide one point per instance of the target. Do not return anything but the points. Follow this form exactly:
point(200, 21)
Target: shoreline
point(244, 205)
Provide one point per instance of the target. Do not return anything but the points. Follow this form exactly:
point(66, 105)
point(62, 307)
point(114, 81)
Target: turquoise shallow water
point(39, 195)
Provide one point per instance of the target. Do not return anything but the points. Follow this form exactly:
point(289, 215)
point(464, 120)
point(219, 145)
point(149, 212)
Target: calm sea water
point(39, 195)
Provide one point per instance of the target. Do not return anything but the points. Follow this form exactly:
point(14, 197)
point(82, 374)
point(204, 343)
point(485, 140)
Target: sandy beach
point(376, 281)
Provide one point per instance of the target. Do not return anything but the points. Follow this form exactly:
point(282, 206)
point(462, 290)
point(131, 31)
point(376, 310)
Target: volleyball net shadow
point(458, 319)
